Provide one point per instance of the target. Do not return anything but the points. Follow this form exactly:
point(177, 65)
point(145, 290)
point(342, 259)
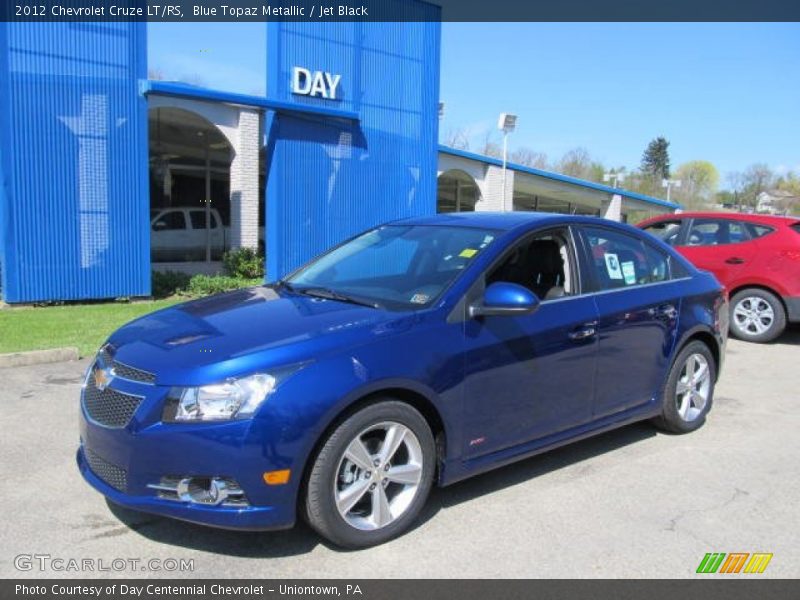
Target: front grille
point(105, 356)
point(124, 371)
point(113, 475)
point(109, 407)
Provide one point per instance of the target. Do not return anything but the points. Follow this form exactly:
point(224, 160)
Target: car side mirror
point(502, 298)
point(159, 225)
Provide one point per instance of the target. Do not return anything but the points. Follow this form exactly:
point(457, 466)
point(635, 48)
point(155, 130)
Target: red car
point(756, 258)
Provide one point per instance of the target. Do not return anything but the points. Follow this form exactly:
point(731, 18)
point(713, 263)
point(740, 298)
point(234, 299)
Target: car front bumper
point(127, 463)
point(251, 518)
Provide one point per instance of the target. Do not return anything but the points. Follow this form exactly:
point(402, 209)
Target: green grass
point(85, 326)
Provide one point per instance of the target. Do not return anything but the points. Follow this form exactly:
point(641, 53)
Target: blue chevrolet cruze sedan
point(423, 351)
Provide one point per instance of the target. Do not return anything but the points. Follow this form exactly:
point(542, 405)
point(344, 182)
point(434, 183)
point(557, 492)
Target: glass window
point(541, 263)
point(657, 264)
point(397, 266)
point(757, 231)
point(198, 218)
point(716, 232)
point(676, 268)
point(170, 221)
point(666, 231)
point(619, 260)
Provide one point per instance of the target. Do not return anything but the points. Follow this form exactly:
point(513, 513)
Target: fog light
point(212, 491)
point(203, 490)
point(277, 477)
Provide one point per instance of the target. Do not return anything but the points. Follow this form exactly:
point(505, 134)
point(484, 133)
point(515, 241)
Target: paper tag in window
point(419, 298)
point(612, 266)
point(629, 272)
point(468, 253)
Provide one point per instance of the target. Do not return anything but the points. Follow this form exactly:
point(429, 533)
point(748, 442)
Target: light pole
point(669, 184)
point(614, 178)
point(506, 123)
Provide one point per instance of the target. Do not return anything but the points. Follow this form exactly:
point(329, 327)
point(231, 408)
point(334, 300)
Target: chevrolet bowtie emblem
point(102, 377)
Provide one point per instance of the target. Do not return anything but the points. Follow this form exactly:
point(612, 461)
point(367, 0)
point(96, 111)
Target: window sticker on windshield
point(419, 298)
point(612, 265)
point(468, 253)
point(486, 241)
point(629, 272)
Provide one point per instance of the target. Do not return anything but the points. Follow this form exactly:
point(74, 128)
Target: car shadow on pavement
point(790, 336)
point(301, 539)
point(247, 544)
point(533, 467)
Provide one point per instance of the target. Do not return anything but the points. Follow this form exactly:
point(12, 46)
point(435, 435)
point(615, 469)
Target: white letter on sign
point(333, 83)
point(301, 81)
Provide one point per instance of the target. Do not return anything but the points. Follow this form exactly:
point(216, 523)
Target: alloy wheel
point(753, 315)
point(694, 385)
point(378, 476)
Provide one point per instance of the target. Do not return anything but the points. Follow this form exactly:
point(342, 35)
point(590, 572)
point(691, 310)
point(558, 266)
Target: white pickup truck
point(179, 234)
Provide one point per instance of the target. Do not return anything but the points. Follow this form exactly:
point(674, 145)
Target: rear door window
point(716, 232)
point(757, 230)
point(621, 261)
point(199, 219)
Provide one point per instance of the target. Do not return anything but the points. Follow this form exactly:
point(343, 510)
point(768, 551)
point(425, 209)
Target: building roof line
point(182, 90)
point(558, 177)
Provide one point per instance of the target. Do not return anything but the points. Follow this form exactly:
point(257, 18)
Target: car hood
point(243, 331)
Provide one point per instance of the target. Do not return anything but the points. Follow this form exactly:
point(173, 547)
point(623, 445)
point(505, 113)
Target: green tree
point(790, 182)
point(699, 181)
point(757, 178)
point(655, 160)
point(529, 158)
point(578, 163)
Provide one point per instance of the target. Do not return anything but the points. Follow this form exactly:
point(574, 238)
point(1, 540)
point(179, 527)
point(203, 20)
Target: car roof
point(495, 220)
point(752, 218)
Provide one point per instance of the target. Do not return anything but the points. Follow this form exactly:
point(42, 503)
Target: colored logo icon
point(735, 562)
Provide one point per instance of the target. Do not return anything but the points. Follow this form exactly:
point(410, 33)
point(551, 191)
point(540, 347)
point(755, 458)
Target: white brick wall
point(612, 209)
point(493, 195)
point(244, 181)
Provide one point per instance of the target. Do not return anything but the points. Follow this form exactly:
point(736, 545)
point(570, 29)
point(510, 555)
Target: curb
point(38, 357)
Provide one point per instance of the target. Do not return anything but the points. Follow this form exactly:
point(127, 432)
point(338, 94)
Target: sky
point(728, 93)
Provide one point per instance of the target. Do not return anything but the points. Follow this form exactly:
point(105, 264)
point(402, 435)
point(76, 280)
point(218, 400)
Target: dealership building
point(107, 175)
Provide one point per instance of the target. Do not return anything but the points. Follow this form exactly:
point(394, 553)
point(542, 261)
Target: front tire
point(689, 389)
point(757, 316)
point(372, 476)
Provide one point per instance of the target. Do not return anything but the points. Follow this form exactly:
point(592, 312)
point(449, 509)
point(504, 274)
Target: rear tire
point(372, 476)
point(689, 390)
point(757, 316)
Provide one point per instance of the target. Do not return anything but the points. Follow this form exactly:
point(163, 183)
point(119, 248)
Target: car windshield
point(394, 266)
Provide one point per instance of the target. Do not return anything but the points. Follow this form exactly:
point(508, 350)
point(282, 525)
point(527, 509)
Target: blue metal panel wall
point(329, 179)
point(74, 132)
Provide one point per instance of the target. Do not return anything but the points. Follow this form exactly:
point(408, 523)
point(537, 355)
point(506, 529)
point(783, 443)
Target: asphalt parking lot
point(630, 503)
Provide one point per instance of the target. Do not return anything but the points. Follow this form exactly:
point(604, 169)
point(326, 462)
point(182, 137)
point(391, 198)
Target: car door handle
point(586, 331)
point(735, 260)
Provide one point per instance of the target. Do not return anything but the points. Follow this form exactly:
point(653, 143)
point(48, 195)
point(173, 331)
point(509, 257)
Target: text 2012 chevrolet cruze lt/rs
point(420, 352)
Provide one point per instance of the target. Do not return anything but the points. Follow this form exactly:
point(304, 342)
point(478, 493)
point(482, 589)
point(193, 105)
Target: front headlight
point(232, 399)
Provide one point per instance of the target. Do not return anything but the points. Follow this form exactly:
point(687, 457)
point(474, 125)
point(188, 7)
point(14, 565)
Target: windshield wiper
point(323, 292)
